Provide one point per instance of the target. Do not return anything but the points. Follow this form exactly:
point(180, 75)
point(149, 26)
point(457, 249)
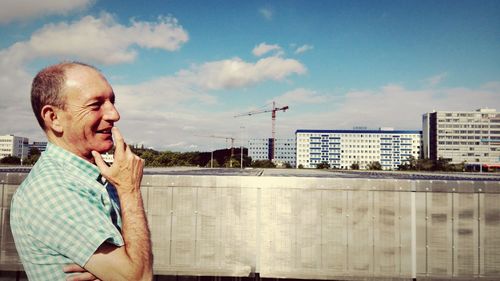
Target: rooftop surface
point(195, 171)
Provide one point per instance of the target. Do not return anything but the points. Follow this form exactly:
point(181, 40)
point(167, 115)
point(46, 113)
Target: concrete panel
point(490, 232)
point(278, 240)
point(8, 252)
point(439, 234)
point(237, 226)
point(248, 229)
point(8, 192)
point(334, 232)
point(421, 235)
point(360, 233)
point(308, 226)
point(465, 235)
point(405, 224)
point(387, 238)
point(208, 227)
point(183, 226)
point(160, 221)
point(13, 178)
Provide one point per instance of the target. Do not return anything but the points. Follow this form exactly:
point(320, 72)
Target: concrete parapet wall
point(312, 228)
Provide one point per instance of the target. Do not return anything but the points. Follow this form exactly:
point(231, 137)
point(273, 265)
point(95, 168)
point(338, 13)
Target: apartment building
point(40, 145)
point(260, 149)
point(462, 136)
point(343, 148)
point(11, 145)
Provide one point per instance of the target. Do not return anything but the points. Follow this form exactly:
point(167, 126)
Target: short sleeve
point(74, 222)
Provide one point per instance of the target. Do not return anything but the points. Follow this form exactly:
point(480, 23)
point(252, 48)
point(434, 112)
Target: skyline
point(182, 69)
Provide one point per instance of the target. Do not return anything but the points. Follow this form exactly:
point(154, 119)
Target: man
point(74, 217)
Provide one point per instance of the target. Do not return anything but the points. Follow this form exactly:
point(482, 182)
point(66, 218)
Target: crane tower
point(273, 111)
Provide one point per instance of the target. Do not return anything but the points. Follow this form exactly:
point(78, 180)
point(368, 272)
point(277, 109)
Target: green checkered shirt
point(61, 214)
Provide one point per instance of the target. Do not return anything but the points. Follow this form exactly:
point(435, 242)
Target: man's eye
point(95, 106)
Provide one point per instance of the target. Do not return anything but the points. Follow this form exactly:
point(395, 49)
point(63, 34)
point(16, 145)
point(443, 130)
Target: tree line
point(411, 164)
point(153, 158)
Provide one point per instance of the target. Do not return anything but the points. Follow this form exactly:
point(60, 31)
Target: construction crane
point(273, 111)
point(226, 138)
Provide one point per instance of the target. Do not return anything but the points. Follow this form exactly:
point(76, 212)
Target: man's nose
point(110, 113)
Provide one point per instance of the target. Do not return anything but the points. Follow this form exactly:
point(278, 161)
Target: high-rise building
point(40, 145)
point(462, 136)
point(11, 145)
point(343, 148)
point(260, 149)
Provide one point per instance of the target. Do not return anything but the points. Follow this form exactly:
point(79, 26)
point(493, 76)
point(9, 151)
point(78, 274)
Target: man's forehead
point(86, 82)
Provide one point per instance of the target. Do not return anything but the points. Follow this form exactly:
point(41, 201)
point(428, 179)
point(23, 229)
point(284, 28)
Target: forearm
point(136, 233)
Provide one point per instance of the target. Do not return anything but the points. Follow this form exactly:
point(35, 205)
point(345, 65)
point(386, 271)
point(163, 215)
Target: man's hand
point(134, 260)
point(79, 273)
point(126, 171)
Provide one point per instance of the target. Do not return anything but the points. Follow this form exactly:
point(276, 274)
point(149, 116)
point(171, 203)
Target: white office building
point(11, 145)
point(462, 136)
point(343, 148)
point(260, 149)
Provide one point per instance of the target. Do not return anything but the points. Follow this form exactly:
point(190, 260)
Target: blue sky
point(182, 69)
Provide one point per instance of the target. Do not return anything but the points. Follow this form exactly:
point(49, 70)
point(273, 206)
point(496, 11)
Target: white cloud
point(266, 13)
point(181, 103)
point(97, 40)
point(436, 79)
point(264, 48)
point(396, 106)
point(301, 96)
point(236, 73)
point(303, 49)
point(21, 10)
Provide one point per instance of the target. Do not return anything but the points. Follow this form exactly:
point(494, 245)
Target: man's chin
point(105, 147)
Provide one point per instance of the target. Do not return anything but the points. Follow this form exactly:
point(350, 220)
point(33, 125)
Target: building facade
point(260, 149)
point(462, 136)
point(11, 145)
point(40, 145)
point(343, 148)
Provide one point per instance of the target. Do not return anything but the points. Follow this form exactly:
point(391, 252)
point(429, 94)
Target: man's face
point(89, 112)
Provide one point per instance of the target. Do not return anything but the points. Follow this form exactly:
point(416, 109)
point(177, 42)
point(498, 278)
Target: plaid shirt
point(61, 214)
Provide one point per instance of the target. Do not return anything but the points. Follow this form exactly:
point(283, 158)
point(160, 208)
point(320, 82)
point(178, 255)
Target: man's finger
point(119, 142)
point(86, 276)
point(73, 267)
point(99, 161)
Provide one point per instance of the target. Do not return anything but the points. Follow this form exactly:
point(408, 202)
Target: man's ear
point(51, 118)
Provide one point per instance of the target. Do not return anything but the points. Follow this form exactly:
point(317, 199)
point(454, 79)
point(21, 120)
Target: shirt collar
point(71, 160)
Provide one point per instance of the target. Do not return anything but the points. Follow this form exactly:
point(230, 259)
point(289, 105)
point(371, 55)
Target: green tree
point(301, 166)
point(32, 157)
point(263, 164)
point(424, 164)
point(374, 166)
point(355, 166)
point(10, 160)
point(323, 165)
point(232, 163)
